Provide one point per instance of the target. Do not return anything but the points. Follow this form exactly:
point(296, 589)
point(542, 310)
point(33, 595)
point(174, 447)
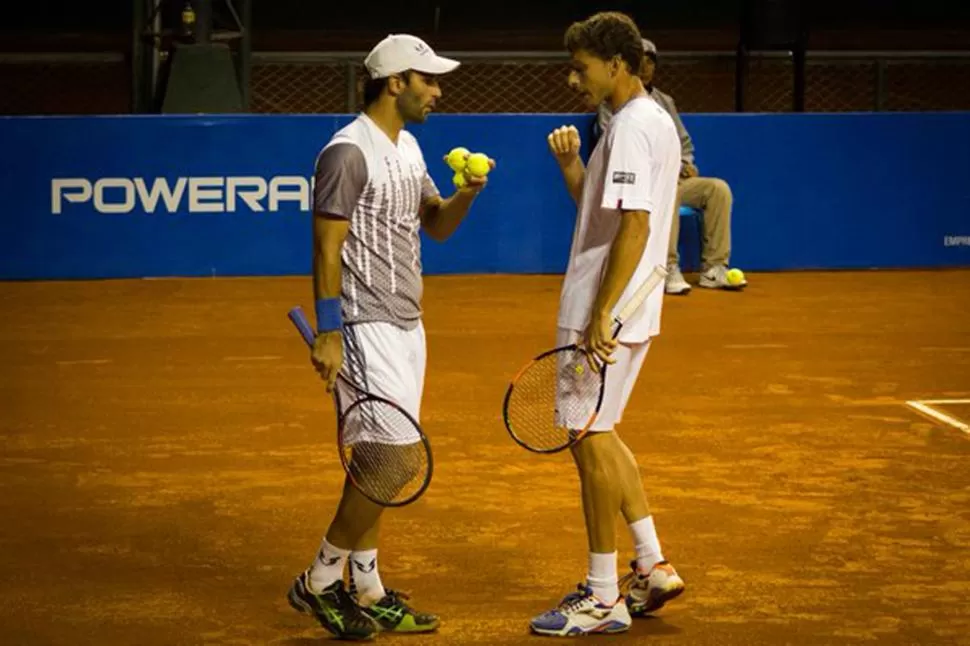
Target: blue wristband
point(329, 317)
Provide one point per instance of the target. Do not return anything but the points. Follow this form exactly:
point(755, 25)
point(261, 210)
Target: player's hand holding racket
point(327, 355)
point(383, 450)
point(554, 399)
point(600, 341)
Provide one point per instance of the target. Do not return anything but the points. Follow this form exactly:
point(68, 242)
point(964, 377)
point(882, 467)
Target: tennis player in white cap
point(372, 196)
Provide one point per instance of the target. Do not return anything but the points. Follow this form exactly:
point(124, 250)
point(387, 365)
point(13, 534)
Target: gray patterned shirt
point(362, 176)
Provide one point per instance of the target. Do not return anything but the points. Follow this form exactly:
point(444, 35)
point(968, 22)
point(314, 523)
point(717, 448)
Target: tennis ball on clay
point(477, 165)
point(459, 180)
point(735, 277)
point(456, 158)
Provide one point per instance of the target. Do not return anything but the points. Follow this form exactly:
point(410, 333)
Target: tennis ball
point(459, 180)
point(477, 165)
point(456, 158)
point(735, 277)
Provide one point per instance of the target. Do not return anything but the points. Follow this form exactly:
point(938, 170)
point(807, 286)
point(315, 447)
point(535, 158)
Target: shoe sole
point(655, 603)
point(727, 288)
point(303, 607)
point(612, 628)
point(427, 628)
point(416, 631)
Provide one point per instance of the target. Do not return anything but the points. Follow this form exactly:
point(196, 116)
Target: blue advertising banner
point(146, 196)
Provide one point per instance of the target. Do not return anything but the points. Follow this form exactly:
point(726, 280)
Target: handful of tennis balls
point(467, 164)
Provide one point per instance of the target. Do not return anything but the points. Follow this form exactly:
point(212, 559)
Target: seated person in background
point(709, 194)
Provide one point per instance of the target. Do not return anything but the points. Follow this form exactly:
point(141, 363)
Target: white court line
point(80, 362)
point(922, 407)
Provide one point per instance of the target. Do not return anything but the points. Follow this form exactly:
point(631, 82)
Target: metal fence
point(58, 83)
point(288, 82)
point(699, 81)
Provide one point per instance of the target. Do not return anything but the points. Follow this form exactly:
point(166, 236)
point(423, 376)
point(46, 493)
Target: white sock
point(328, 566)
point(602, 577)
point(648, 545)
point(363, 567)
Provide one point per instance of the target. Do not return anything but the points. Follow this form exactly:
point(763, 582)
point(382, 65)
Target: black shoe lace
point(346, 602)
point(398, 598)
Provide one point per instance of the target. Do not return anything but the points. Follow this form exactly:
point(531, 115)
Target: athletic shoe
point(716, 278)
point(649, 592)
point(581, 613)
point(392, 614)
point(675, 283)
point(333, 607)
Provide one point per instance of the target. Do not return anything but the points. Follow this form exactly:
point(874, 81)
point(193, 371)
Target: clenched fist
point(564, 143)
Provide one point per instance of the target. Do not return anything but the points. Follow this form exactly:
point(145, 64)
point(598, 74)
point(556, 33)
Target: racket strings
point(384, 452)
point(557, 395)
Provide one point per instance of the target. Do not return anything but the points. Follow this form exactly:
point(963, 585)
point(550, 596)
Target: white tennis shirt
point(634, 166)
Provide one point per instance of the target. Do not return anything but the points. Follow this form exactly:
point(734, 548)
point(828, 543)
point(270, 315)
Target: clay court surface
point(168, 464)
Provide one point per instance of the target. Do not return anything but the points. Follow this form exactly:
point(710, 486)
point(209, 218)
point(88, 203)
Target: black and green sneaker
point(334, 609)
point(392, 614)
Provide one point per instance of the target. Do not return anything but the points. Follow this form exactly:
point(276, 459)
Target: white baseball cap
point(401, 52)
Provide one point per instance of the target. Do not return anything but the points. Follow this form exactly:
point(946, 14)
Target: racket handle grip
point(298, 318)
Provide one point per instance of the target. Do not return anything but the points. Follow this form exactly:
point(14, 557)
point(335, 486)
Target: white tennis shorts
point(388, 361)
point(620, 378)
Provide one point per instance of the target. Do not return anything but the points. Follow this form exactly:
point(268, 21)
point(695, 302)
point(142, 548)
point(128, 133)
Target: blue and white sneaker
point(582, 613)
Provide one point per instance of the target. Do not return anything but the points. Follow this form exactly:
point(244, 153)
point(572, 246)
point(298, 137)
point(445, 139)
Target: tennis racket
point(386, 455)
point(554, 399)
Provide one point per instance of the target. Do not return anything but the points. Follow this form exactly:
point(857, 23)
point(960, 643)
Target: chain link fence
point(928, 85)
point(300, 87)
point(700, 82)
point(520, 82)
point(515, 82)
point(851, 82)
point(64, 84)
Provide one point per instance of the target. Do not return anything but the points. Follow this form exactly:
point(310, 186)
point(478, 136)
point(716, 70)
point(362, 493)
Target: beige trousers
point(713, 197)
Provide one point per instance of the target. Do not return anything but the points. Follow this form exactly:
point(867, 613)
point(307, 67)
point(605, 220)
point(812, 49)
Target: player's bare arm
point(440, 217)
point(329, 233)
point(564, 143)
point(625, 254)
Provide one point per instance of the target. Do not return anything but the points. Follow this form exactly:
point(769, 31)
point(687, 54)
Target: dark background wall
point(893, 24)
point(912, 55)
